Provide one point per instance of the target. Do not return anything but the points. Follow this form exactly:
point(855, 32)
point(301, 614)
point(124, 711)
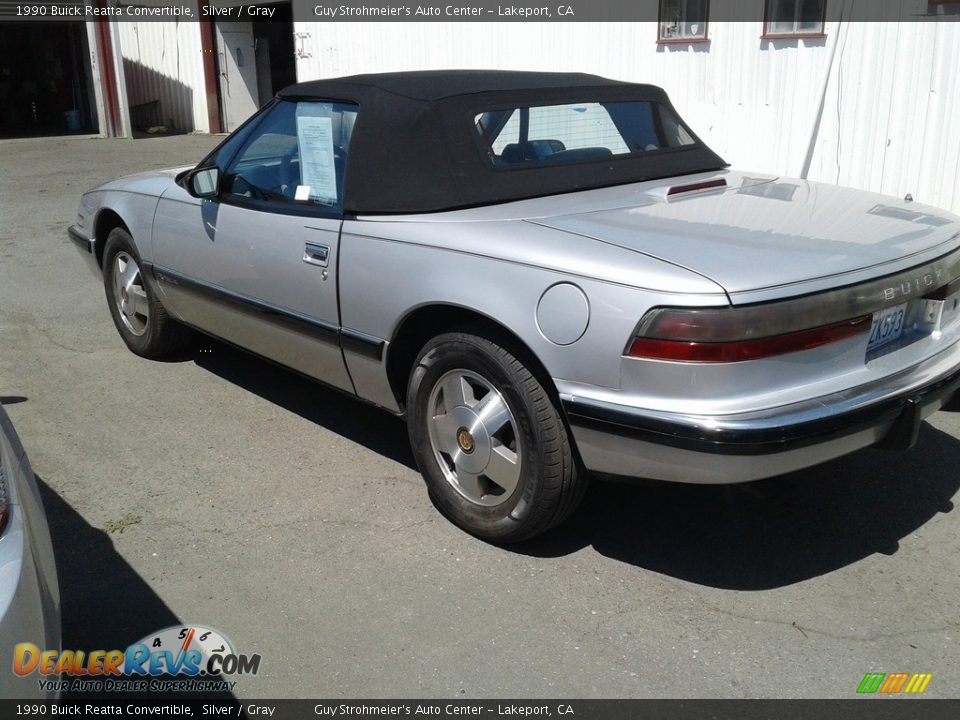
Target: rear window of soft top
point(521, 137)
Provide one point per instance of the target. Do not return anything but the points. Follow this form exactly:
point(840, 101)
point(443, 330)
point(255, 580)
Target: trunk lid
point(758, 234)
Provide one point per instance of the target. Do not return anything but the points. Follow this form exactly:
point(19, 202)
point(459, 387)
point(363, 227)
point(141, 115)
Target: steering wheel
point(242, 187)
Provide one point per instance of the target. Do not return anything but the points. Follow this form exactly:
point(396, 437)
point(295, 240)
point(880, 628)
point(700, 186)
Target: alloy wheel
point(130, 295)
point(474, 437)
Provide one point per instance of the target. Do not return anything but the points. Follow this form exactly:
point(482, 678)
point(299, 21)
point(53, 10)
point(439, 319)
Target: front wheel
point(490, 443)
point(140, 318)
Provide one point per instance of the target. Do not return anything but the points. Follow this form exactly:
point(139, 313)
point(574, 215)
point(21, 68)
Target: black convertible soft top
point(415, 149)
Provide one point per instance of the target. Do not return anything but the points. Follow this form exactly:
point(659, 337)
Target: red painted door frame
point(108, 78)
point(208, 46)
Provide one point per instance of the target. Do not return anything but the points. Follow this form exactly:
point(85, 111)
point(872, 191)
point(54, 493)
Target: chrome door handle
point(316, 254)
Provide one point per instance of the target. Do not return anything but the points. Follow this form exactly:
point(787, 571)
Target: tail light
point(719, 335)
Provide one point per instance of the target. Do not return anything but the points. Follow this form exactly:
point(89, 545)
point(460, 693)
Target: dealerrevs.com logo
point(177, 658)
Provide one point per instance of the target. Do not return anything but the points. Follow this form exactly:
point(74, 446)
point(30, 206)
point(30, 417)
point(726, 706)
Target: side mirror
point(201, 182)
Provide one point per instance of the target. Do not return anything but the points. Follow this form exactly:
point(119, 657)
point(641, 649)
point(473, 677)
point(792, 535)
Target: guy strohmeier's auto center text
point(425, 11)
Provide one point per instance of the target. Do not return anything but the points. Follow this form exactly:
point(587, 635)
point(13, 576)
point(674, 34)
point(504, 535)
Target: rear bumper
point(86, 246)
point(628, 441)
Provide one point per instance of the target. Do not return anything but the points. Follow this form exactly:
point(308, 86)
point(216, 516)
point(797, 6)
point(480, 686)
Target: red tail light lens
point(720, 336)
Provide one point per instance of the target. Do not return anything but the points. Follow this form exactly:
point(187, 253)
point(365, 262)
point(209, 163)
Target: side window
point(296, 156)
point(228, 148)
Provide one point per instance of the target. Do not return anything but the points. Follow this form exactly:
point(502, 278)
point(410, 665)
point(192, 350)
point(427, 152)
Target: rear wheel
point(491, 445)
point(140, 319)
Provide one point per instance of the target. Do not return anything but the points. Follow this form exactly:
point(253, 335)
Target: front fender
point(135, 211)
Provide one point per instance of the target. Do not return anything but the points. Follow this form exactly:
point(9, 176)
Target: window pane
point(577, 126)
point(683, 19)
point(781, 16)
point(674, 133)
point(230, 146)
point(785, 17)
point(811, 16)
point(581, 132)
point(509, 134)
point(784, 11)
point(670, 19)
point(297, 155)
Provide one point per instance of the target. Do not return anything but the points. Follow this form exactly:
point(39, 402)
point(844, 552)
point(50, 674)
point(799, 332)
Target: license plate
point(887, 326)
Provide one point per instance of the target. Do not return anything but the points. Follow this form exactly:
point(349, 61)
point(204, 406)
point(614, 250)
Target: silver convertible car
point(548, 275)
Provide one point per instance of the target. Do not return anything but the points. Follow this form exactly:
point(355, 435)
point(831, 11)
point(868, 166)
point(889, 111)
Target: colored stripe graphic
point(893, 683)
point(870, 683)
point(918, 682)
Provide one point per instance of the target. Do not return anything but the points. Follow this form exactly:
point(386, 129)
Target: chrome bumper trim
point(781, 429)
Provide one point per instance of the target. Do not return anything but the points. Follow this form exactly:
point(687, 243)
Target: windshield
point(578, 132)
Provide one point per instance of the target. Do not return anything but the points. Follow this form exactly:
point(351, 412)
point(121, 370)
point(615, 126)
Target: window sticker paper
point(317, 169)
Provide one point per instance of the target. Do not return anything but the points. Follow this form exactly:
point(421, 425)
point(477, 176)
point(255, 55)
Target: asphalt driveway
point(217, 489)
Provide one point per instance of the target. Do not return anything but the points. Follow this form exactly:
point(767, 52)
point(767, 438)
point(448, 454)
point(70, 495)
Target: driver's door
point(256, 265)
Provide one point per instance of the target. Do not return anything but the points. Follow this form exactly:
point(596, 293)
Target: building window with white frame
point(794, 18)
point(683, 21)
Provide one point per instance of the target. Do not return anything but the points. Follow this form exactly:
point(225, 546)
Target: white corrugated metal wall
point(889, 92)
point(163, 61)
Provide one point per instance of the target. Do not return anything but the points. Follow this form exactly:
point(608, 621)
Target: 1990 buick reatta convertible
point(548, 275)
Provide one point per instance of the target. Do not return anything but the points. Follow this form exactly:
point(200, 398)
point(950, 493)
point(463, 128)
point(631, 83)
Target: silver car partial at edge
point(29, 594)
point(549, 275)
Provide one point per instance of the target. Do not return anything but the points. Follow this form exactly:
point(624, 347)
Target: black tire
point(551, 483)
point(150, 334)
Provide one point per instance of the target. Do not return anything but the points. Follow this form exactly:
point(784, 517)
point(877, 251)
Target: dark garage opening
point(45, 81)
point(276, 61)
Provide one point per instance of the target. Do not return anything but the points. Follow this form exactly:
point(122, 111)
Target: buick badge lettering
point(911, 286)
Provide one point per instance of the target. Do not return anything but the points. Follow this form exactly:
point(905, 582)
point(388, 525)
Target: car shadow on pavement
point(104, 603)
point(770, 533)
point(752, 536)
point(338, 412)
